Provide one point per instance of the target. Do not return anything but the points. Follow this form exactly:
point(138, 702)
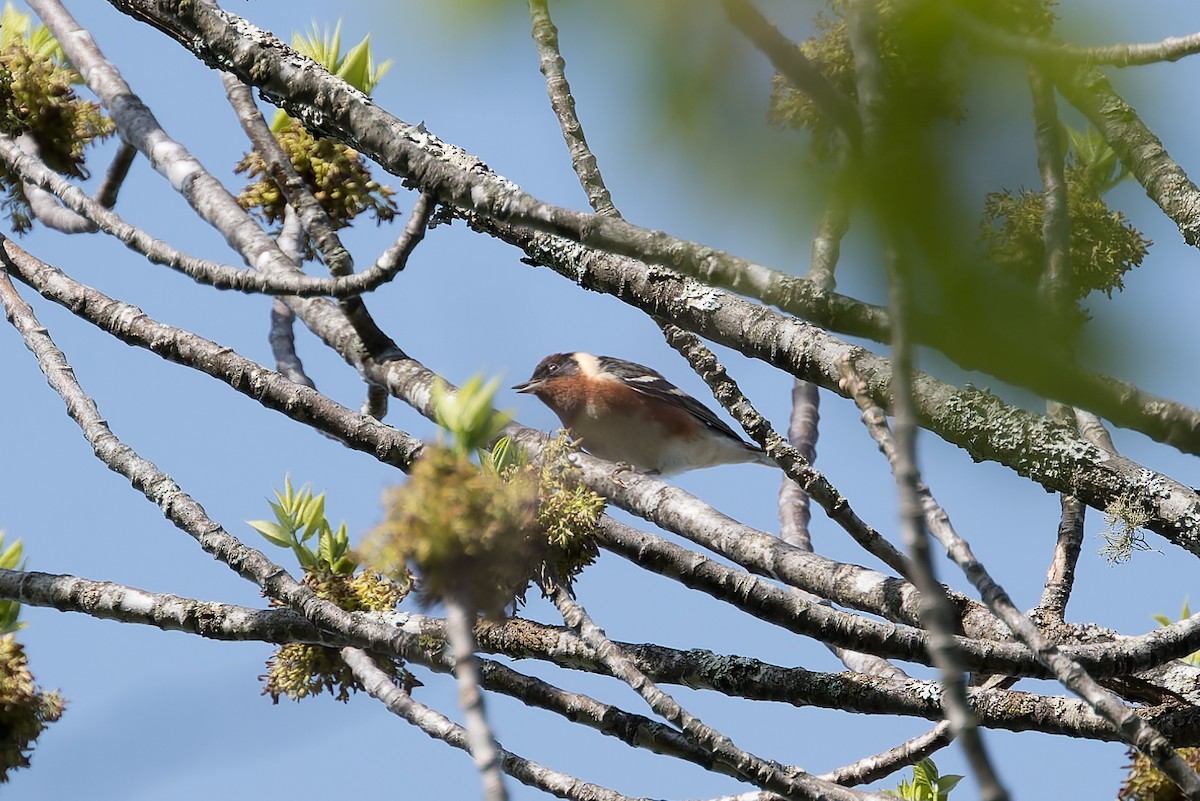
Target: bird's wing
point(650, 382)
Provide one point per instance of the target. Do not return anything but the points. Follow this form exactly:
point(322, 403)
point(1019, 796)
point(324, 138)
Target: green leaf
point(308, 559)
point(355, 68)
point(947, 783)
point(272, 531)
point(325, 548)
point(11, 556)
point(312, 517)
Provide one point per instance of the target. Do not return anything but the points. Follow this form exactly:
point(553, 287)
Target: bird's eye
point(552, 368)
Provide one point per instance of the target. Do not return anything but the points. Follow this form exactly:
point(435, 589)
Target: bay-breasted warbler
point(625, 412)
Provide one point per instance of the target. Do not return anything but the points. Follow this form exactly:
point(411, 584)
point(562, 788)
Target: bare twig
point(436, 725)
point(1134, 729)
point(795, 512)
point(1055, 288)
point(909, 752)
point(1173, 48)
point(221, 276)
point(272, 390)
point(281, 170)
point(114, 178)
point(726, 391)
point(42, 204)
point(545, 35)
point(1060, 578)
point(936, 612)
point(791, 782)
point(460, 629)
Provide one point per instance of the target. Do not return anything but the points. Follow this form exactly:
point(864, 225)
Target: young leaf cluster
point(468, 415)
point(299, 517)
point(10, 611)
point(926, 784)
point(298, 670)
point(37, 97)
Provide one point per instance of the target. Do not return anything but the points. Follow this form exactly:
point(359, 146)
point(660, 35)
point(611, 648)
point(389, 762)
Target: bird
point(626, 412)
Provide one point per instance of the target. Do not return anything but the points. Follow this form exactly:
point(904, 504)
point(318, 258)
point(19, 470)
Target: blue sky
point(163, 715)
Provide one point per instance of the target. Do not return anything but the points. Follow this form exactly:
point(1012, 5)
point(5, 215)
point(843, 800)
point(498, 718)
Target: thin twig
point(1173, 48)
point(380, 686)
point(272, 390)
point(221, 276)
point(545, 35)
point(909, 752)
point(726, 391)
point(1060, 577)
point(316, 221)
point(936, 612)
point(1055, 288)
point(795, 512)
point(460, 630)
point(42, 204)
point(791, 782)
point(1133, 728)
point(114, 178)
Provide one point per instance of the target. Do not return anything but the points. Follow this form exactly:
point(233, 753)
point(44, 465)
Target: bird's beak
point(529, 386)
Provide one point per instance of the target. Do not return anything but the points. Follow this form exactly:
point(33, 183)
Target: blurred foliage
point(468, 415)
point(37, 97)
point(25, 711)
point(926, 784)
point(1144, 782)
point(1103, 245)
point(921, 69)
point(922, 57)
point(299, 670)
point(1164, 621)
point(482, 535)
point(336, 174)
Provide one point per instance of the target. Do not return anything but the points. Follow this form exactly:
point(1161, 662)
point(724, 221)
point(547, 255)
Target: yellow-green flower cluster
point(24, 710)
point(37, 97)
point(298, 670)
point(336, 174)
point(1147, 783)
point(921, 70)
